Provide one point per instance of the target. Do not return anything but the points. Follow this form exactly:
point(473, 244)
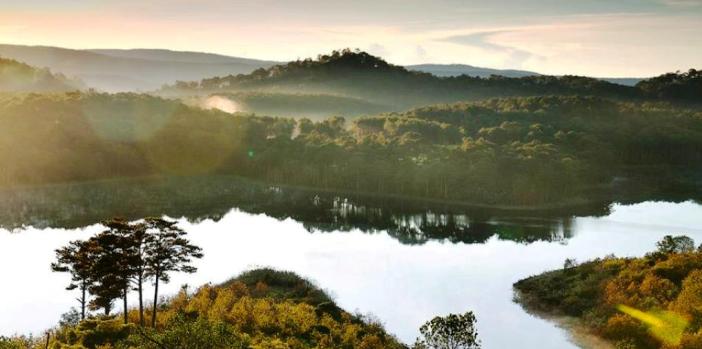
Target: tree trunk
point(126, 310)
point(153, 313)
point(141, 301)
point(82, 302)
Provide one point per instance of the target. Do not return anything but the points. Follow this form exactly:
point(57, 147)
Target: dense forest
point(649, 302)
point(681, 87)
point(516, 151)
point(19, 77)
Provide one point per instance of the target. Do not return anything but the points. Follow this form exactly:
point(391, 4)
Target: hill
point(19, 77)
point(261, 308)
point(130, 70)
point(361, 75)
point(179, 56)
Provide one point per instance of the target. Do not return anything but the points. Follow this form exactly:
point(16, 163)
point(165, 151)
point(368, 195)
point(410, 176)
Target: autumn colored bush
point(661, 294)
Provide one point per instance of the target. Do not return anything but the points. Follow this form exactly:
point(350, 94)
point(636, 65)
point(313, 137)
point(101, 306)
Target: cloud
point(682, 3)
point(377, 49)
point(514, 57)
point(421, 52)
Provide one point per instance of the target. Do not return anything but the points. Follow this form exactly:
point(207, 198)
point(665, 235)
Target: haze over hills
point(119, 70)
point(446, 70)
point(19, 77)
point(130, 70)
point(363, 76)
point(179, 56)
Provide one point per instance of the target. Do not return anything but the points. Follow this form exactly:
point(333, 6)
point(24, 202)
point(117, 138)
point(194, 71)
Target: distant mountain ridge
point(178, 56)
point(445, 70)
point(118, 70)
point(130, 70)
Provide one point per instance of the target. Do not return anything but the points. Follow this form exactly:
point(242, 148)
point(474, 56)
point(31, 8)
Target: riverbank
point(77, 204)
point(648, 302)
point(578, 332)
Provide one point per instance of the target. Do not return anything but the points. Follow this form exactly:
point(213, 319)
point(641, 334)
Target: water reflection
point(211, 197)
point(402, 284)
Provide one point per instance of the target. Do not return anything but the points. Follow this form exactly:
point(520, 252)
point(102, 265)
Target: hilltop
point(19, 77)
point(261, 308)
point(361, 75)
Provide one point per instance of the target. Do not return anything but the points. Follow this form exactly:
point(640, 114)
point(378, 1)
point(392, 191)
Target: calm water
point(374, 272)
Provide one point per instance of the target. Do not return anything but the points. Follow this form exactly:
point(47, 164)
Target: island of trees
point(645, 303)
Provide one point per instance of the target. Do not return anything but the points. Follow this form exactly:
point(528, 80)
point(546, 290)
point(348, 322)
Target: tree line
point(121, 259)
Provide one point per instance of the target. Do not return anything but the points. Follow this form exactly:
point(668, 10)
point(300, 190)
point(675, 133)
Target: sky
point(605, 38)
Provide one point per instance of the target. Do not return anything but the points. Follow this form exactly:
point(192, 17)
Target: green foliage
point(686, 86)
point(283, 285)
point(518, 152)
point(665, 287)
point(677, 244)
point(109, 263)
point(19, 342)
point(449, 332)
point(182, 332)
point(91, 333)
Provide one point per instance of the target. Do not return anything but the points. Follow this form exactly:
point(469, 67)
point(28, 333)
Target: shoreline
point(578, 334)
point(572, 203)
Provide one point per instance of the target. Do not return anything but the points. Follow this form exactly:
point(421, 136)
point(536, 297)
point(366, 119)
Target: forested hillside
point(361, 75)
point(19, 77)
point(518, 151)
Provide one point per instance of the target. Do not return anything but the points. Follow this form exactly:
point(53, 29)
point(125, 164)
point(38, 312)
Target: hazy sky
point(589, 37)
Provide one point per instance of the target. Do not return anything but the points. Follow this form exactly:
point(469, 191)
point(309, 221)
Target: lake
point(401, 268)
